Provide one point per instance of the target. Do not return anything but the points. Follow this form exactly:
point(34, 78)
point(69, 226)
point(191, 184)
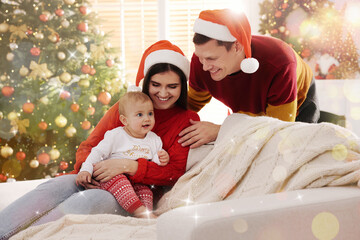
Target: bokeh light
point(325, 226)
point(240, 225)
point(339, 152)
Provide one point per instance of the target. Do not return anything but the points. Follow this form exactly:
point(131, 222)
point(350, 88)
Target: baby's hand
point(82, 178)
point(163, 158)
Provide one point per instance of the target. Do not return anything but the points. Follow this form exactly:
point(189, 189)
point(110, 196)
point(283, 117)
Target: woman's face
point(164, 89)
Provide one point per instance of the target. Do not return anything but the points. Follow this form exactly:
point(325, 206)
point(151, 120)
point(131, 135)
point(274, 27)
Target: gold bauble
point(60, 121)
point(12, 168)
point(10, 56)
point(61, 56)
point(65, 23)
point(3, 78)
point(70, 131)
point(93, 98)
point(24, 71)
point(4, 27)
point(81, 48)
point(69, 2)
point(12, 116)
point(65, 77)
point(34, 163)
point(44, 100)
point(53, 38)
point(39, 36)
point(84, 83)
point(6, 151)
point(54, 154)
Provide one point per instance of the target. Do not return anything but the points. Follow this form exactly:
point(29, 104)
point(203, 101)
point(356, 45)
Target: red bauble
point(92, 71)
point(83, 27)
point(85, 69)
point(28, 107)
point(109, 63)
point(7, 91)
point(104, 98)
point(83, 10)
point(43, 17)
point(63, 165)
point(284, 5)
point(274, 31)
point(86, 125)
point(43, 158)
point(3, 178)
point(75, 107)
point(91, 110)
point(35, 51)
point(278, 14)
point(59, 12)
point(65, 95)
point(20, 155)
point(42, 125)
point(29, 32)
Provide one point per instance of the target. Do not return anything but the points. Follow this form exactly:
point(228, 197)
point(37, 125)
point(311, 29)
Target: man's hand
point(198, 134)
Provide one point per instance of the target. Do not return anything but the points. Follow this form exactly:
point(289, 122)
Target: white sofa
point(324, 213)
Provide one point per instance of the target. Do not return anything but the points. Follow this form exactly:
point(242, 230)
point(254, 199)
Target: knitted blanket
point(251, 156)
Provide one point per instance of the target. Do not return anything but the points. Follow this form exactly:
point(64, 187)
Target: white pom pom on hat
point(226, 25)
point(162, 52)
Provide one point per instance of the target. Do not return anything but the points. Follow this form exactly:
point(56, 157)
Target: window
point(136, 24)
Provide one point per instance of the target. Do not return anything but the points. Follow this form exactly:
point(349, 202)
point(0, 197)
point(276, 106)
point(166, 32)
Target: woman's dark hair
point(166, 67)
point(200, 39)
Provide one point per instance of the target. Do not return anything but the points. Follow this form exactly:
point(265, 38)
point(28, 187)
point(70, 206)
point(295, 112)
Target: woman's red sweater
point(168, 124)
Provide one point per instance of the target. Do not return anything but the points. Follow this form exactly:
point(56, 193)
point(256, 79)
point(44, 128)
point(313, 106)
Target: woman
point(166, 69)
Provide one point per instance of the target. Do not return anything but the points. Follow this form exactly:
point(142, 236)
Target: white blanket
point(251, 156)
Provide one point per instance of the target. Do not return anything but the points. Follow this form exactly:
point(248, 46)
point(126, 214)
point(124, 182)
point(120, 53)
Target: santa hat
point(228, 26)
point(162, 52)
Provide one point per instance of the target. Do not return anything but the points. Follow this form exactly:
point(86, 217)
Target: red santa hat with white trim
point(162, 52)
point(228, 26)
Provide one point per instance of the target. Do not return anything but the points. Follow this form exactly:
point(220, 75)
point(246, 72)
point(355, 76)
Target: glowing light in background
point(325, 226)
point(339, 152)
point(312, 30)
point(352, 13)
point(355, 113)
point(240, 225)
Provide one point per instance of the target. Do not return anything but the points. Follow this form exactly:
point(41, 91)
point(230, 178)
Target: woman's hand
point(107, 169)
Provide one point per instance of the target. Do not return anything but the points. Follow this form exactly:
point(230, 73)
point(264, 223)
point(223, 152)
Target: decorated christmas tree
point(58, 76)
point(317, 31)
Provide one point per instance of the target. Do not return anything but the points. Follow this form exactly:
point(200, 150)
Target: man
point(255, 75)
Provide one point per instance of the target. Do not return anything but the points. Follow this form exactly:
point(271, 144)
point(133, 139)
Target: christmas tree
point(58, 76)
point(315, 29)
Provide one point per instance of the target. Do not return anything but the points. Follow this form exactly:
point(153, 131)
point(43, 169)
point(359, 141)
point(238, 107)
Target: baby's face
point(140, 118)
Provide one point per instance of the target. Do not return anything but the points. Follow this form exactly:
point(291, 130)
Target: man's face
point(217, 60)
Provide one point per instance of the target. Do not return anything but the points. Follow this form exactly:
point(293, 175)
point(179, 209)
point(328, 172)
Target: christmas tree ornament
point(44, 17)
point(10, 56)
point(85, 69)
point(6, 151)
point(43, 158)
point(93, 98)
point(92, 71)
point(7, 91)
point(65, 23)
point(44, 100)
point(59, 12)
point(24, 71)
point(70, 131)
point(109, 62)
point(39, 36)
point(35, 51)
point(54, 154)
point(34, 163)
point(20, 155)
point(13, 46)
point(81, 48)
point(65, 95)
point(69, 2)
point(3, 78)
point(43, 125)
point(12, 116)
point(65, 77)
point(60, 121)
point(11, 168)
point(4, 27)
point(63, 165)
point(74, 107)
point(83, 10)
point(85, 125)
point(2, 177)
point(54, 37)
point(28, 107)
point(61, 56)
point(90, 110)
point(84, 83)
point(83, 27)
point(29, 32)
point(104, 98)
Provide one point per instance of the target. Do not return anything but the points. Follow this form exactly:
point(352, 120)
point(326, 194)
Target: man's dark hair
point(200, 39)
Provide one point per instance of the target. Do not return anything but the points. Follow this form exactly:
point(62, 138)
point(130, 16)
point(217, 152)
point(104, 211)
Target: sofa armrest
point(11, 191)
point(321, 213)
